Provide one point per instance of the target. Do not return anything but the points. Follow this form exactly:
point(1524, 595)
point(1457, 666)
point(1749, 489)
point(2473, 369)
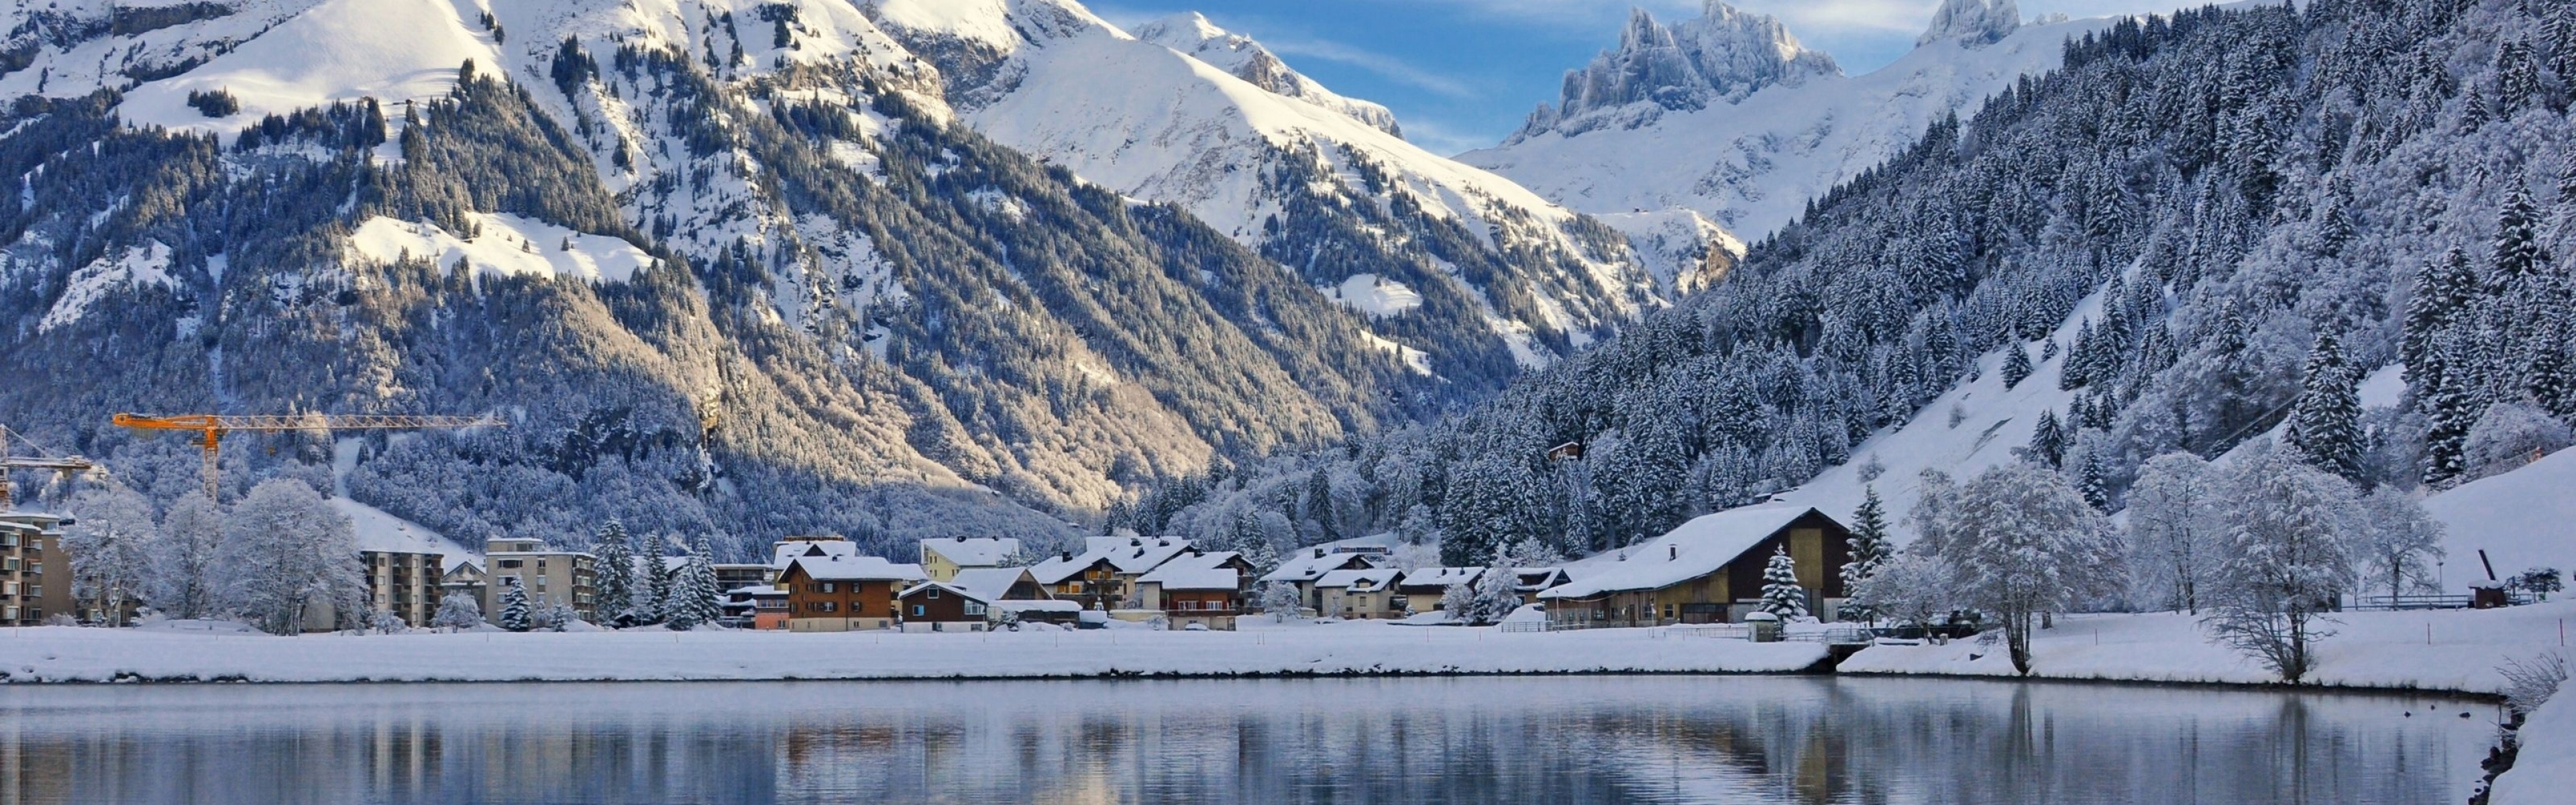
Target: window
point(12, 564)
point(919, 610)
point(509, 563)
point(934, 592)
point(973, 608)
point(830, 587)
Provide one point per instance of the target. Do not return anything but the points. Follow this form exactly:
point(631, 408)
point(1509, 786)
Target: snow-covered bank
point(2545, 770)
point(2449, 650)
point(63, 654)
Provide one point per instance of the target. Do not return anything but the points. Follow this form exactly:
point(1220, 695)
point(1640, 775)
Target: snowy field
point(65, 654)
point(2546, 769)
point(2451, 650)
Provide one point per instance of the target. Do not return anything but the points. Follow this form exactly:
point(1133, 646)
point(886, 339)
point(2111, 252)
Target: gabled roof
point(1207, 571)
point(855, 568)
point(1124, 555)
point(951, 589)
point(1533, 579)
point(1056, 570)
point(1443, 577)
point(971, 551)
point(1309, 564)
point(1359, 581)
point(1696, 548)
point(780, 553)
point(992, 583)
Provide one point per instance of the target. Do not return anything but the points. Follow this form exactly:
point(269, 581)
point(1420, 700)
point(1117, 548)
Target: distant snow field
point(508, 245)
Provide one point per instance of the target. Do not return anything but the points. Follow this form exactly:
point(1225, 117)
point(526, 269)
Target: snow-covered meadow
point(64, 654)
point(2448, 650)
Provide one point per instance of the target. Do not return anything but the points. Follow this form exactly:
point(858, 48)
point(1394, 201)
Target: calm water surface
point(1552, 740)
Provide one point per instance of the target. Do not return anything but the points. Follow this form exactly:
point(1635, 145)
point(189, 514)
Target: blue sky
point(1462, 74)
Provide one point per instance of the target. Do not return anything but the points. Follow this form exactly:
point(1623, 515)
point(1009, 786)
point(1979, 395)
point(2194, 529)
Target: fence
point(1839, 635)
point(1522, 626)
point(2378, 603)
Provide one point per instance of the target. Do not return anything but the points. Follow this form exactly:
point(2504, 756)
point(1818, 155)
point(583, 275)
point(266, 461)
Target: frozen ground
point(2451, 650)
point(2545, 771)
point(65, 654)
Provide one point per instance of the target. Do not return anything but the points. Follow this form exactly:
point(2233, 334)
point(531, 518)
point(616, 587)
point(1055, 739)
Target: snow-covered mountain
point(1748, 149)
point(1191, 115)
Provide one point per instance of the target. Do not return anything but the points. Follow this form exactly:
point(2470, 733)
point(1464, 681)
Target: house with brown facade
point(1708, 570)
point(940, 607)
point(840, 593)
point(1103, 576)
point(1203, 589)
point(1012, 593)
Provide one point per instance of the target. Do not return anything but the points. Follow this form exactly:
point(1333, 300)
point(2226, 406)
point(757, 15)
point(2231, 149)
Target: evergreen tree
point(516, 615)
point(2047, 442)
point(694, 598)
point(1869, 550)
point(2451, 409)
point(2443, 291)
point(1781, 594)
point(616, 584)
point(2017, 366)
point(2325, 420)
point(2092, 482)
point(655, 605)
point(2518, 259)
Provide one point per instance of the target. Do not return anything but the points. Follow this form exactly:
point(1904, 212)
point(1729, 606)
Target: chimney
point(1319, 553)
point(1068, 556)
point(1677, 552)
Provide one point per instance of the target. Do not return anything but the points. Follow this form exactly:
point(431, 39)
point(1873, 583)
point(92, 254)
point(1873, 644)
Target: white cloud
point(1444, 140)
point(1389, 67)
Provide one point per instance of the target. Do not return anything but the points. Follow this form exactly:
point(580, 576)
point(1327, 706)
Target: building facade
point(551, 577)
point(941, 558)
point(838, 593)
point(1709, 570)
point(35, 574)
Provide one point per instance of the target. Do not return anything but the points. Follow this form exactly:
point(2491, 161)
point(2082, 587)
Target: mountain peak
point(1720, 57)
point(1972, 23)
point(1193, 35)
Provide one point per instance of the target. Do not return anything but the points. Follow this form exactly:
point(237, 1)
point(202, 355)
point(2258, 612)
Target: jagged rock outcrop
point(1193, 35)
point(1720, 57)
point(1972, 23)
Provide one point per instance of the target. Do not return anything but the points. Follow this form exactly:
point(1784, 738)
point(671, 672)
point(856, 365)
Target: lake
point(1657, 739)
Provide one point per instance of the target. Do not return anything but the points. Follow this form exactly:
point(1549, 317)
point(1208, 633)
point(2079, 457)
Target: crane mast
point(210, 428)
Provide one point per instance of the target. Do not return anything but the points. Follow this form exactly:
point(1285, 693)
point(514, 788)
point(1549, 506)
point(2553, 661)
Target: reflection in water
point(1555, 740)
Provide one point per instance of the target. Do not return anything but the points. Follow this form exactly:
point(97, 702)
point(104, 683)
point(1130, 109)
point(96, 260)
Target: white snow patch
point(137, 267)
point(2522, 519)
point(339, 50)
point(1414, 359)
point(508, 245)
point(1376, 296)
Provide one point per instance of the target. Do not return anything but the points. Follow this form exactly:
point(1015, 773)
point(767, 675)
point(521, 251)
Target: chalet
point(942, 558)
point(1012, 593)
point(1535, 580)
point(793, 548)
point(1421, 589)
point(939, 607)
point(837, 593)
point(1300, 570)
point(1359, 594)
point(1205, 589)
point(756, 606)
point(1103, 576)
point(1709, 570)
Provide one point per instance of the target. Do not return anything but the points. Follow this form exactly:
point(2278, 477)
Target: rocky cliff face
point(1722, 56)
point(1973, 23)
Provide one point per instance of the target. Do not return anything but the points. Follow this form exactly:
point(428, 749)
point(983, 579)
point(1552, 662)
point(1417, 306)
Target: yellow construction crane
point(212, 427)
point(66, 465)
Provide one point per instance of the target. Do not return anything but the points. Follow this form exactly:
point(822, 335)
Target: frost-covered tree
point(1870, 550)
point(2508, 436)
point(2325, 421)
point(1459, 600)
point(384, 621)
point(1781, 594)
point(2017, 366)
point(695, 599)
point(287, 549)
point(516, 613)
point(2397, 541)
point(2175, 521)
point(2021, 542)
point(1495, 595)
point(2538, 581)
point(1280, 600)
point(2287, 558)
point(110, 541)
point(1912, 588)
point(457, 612)
point(654, 604)
point(614, 599)
point(186, 561)
point(2047, 442)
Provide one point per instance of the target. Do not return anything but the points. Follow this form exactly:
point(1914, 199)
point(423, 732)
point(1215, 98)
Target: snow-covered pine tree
point(2449, 398)
point(2092, 481)
point(457, 612)
point(615, 595)
point(2047, 442)
point(2443, 293)
point(1869, 551)
point(655, 603)
point(1497, 593)
point(1781, 594)
point(2017, 366)
point(2325, 420)
point(516, 614)
point(695, 599)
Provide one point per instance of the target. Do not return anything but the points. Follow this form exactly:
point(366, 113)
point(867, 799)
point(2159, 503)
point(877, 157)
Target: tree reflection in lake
point(1662, 739)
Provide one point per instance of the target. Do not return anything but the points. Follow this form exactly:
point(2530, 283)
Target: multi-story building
point(406, 584)
point(840, 592)
point(551, 576)
point(35, 575)
point(942, 558)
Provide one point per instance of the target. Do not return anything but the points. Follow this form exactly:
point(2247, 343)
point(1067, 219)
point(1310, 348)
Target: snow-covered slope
point(1752, 165)
point(2523, 519)
point(1193, 35)
point(339, 50)
point(1250, 158)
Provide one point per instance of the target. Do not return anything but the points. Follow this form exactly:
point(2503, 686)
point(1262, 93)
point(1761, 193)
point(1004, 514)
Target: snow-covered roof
point(780, 553)
point(1312, 563)
point(379, 531)
point(1124, 554)
point(989, 583)
point(1539, 578)
point(1196, 572)
point(1048, 605)
point(945, 587)
point(1442, 576)
point(971, 551)
point(856, 568)
point(1697, 548)
point(1360, 581)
